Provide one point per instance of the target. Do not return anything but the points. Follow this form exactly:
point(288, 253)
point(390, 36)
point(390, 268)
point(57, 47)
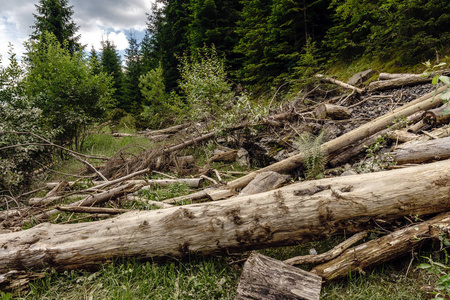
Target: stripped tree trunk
point(289, 215)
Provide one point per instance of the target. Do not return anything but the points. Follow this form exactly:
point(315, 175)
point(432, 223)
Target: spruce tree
point(133, 67)
point(55, 16)
point(111, 64)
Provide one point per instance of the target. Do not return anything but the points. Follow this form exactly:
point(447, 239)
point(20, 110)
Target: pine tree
point(55, 16)
point(93, 57)
point(111, 64)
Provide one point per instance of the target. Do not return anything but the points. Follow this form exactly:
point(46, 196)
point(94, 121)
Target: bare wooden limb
point(191, 197)
point(329, 255)
point(151, 202)
point(381, 250)
point(173, 129)
point(209, 179)
point(289, 215)
point(118, 180)
point(92, 210)
point(265, 278)
point(340, 83)
point(49, 143)
point(164, 174)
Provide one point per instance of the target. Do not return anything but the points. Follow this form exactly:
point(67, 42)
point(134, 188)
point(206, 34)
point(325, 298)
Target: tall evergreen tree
point(133, 70)
point(111, 64)
point(55, 16)
point(93, 57)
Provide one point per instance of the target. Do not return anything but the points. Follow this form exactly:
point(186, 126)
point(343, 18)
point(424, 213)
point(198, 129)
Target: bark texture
point(381, 250)
point(266, 278)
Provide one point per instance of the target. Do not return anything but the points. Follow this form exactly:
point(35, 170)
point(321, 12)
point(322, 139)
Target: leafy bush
point(18, 152)
point(65, 88)
point(158, 107)
point(204, 83)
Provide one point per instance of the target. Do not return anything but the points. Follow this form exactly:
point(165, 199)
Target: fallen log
point(265, 278)
point(331, 111)
point(398, 82)
point(368, 129)
point(422, 151)
point(383, 249)
point(290, 215)
point(437, 116)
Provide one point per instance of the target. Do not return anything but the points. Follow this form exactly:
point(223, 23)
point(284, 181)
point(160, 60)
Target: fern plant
point(314, 158)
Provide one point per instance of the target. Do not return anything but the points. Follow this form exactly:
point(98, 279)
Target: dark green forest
point(198, 59)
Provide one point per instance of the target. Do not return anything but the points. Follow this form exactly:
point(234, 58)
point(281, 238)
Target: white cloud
point(97, 18)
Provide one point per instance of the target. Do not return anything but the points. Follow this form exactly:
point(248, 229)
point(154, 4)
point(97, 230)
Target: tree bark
point(398, 82)
point(290, 215)
point(383, 249)
point(436, 116)
point(331, 111)
point(418, 152)
point(294, 162)
point(265, 278)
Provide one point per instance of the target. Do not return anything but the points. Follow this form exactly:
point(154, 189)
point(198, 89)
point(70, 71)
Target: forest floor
point(217, 277)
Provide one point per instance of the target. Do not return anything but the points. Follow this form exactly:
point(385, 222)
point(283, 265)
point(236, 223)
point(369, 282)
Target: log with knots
point(289, 215)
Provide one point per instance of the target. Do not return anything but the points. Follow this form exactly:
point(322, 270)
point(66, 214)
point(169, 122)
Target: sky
point(98, 19)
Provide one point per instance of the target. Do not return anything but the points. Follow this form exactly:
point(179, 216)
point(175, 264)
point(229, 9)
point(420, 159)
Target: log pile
point(264, 208)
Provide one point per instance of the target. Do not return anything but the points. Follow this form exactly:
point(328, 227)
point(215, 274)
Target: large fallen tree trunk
point(381, 250)
point(289, 215)
point(366, 130)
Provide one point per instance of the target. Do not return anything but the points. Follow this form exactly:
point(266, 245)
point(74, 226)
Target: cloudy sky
point(97, 19)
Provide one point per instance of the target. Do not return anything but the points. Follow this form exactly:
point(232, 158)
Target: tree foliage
point(65, 88)
point(55, 16)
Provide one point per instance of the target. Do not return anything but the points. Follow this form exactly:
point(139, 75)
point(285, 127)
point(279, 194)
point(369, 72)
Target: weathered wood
point(359, 77)
point(151, 202)
point(92, 210)
point(265, 278)
point(386, 248)
point(287, 216)
point(368, 129)
point(398, 82)
point(402, 136)
point(331, 111)
point(389, 76)
point(329, 255)
point(362, 145)
point(422, 151)
point(339, 83)
point(89, 201)
point(190, 182)
point(264, 182)
point(183, 161)
point(227, 156)
point(437, 116)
